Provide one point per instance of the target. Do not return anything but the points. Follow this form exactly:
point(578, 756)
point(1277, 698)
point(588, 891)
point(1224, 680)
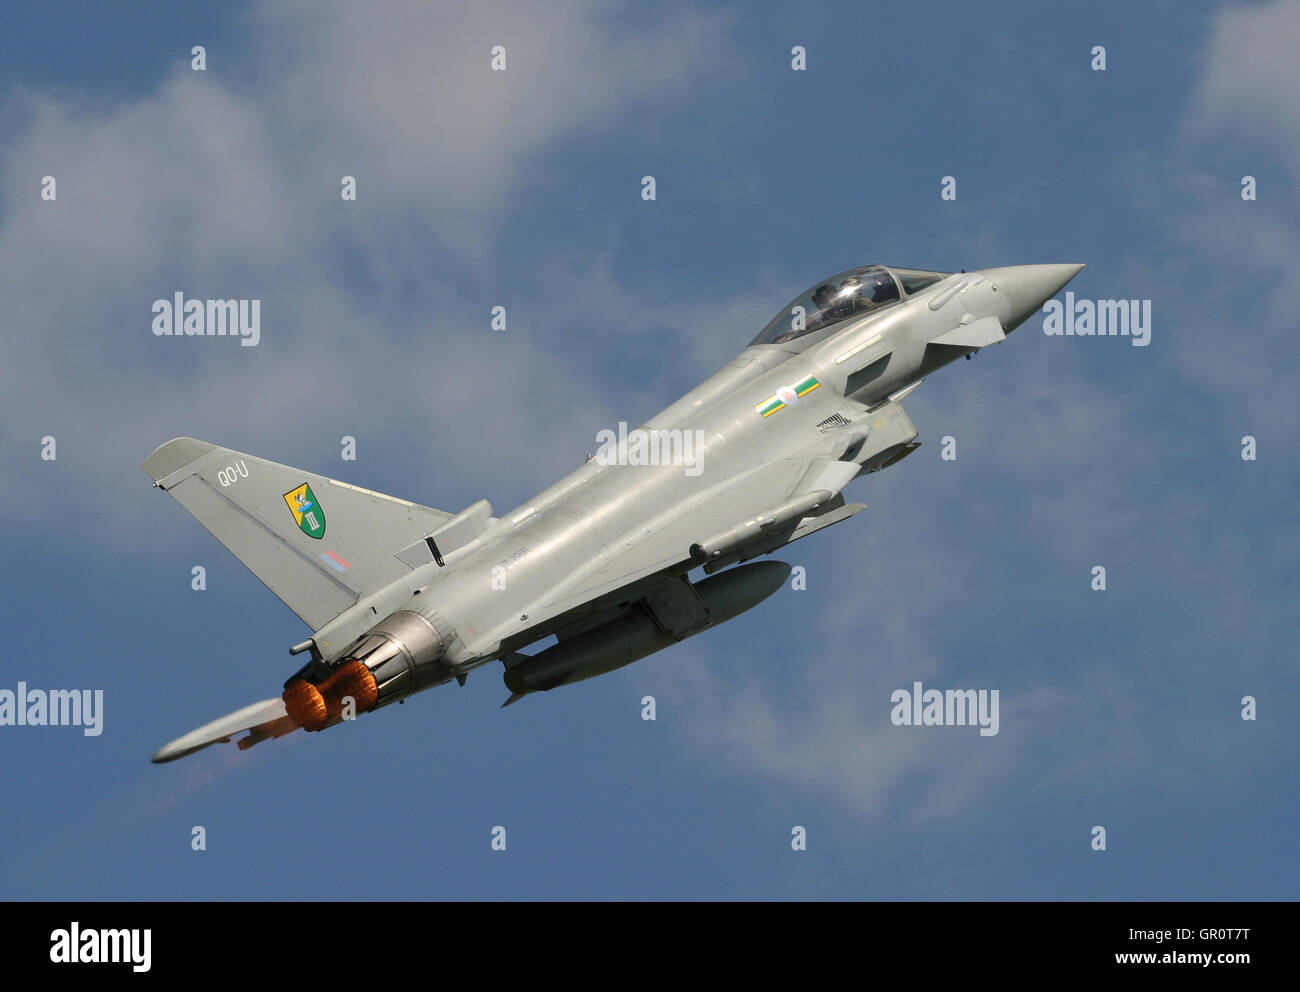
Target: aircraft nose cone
point(1028, 287)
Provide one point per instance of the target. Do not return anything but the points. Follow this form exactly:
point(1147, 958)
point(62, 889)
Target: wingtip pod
point(170, 752)
point(259, 716)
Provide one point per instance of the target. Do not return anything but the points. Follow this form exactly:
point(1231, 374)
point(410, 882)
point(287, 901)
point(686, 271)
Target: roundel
point(787, 395)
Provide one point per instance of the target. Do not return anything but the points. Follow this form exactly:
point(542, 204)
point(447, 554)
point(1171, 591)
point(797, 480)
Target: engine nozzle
point(398, 656)
point(314, 707)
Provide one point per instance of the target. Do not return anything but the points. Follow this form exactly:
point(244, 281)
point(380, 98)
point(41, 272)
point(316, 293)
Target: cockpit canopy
point(849, 294)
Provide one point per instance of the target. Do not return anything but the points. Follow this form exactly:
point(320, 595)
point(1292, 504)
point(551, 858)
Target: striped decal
point(806, 386)
point(786, 396)
point(336, 561)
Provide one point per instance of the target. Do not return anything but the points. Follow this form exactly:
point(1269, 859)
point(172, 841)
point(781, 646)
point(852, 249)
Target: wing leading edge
point(742, 516)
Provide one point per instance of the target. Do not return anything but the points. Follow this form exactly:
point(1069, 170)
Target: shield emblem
point(307, 513)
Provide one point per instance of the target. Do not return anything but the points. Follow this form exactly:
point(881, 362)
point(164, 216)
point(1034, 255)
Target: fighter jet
point(401, 597)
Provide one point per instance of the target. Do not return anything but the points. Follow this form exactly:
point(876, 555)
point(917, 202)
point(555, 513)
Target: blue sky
point(1118, 708)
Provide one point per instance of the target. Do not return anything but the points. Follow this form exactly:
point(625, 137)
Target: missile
point(783, 513)
point(635, 633)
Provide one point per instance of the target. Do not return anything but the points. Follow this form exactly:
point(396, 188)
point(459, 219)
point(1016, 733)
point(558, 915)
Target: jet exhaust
point(312, 707)
point(398, 656)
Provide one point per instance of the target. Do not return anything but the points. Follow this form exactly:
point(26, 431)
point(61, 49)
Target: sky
point(1120, 708)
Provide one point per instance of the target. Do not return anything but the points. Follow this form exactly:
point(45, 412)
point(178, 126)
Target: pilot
point(882, 290)
point(822, 295)
point(846, 301)
point(819, 298)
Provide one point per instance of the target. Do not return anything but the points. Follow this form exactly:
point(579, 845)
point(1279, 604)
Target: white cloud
point(227, 184)
point(375, 316)
point(1250, 85)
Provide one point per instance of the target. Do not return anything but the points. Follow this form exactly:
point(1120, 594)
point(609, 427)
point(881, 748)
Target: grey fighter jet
point(401, 597)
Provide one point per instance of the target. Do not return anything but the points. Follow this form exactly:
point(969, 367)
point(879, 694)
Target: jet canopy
point(848, 294)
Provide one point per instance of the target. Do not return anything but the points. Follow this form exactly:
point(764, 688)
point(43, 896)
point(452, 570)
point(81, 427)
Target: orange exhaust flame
point(314, 707)
point(354, 679)
point(305, 705)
